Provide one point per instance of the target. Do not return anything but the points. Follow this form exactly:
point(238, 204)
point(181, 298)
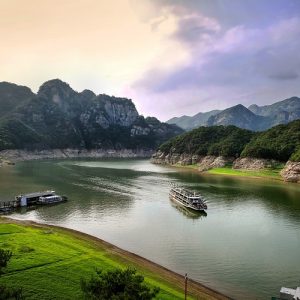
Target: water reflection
point(189, 213)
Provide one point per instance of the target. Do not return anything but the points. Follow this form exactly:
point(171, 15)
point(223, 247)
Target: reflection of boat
point(189, 213)
point(187, 198)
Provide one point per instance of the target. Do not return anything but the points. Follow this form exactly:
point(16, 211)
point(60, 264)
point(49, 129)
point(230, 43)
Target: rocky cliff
point(291, 171)
point(58, 117)
point(203, 163)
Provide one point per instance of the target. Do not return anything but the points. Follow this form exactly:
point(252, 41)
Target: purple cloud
point(229, 59)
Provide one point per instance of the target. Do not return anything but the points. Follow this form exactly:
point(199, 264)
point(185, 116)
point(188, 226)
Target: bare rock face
point(209, 162)
point(204, 162)
point(291, 172)
point(249, 163)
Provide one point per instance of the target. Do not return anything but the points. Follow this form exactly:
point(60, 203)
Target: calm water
point(247, 246)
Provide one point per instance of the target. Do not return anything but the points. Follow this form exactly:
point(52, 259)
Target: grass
point(49, 262)
point(266, 173)
point(273, 173)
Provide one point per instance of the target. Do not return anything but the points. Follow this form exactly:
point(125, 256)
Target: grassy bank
point(266, 173)
point(273, 173)
point(48, 263)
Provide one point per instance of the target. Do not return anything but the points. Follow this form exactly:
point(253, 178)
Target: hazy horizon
point(172, 58)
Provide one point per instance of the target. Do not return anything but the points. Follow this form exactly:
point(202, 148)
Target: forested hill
point(281, 142)
point(59, 117)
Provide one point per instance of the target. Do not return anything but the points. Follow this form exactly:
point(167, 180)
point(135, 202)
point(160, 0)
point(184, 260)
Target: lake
point(247, 246)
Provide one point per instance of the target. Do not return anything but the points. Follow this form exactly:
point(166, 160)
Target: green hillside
point(281, 142)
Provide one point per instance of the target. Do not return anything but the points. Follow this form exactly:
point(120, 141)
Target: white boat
point(44, 197)
point(51, 199)
point(187, 198)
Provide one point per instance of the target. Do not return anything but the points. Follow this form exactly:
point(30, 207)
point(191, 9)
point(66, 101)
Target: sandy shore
point(196, 289)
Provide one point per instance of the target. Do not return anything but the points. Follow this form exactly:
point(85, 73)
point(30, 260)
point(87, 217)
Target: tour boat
point(187, 198)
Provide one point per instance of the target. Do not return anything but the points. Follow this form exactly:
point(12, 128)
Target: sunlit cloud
point(172, 57)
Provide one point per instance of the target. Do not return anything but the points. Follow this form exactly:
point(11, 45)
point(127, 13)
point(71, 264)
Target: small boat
point(39, 198)
point(51, 199)
point(187, 198)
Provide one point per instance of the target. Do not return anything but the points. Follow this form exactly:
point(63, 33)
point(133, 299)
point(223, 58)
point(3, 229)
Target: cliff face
point(57, 117)
point(291, 171)
point(204, 163)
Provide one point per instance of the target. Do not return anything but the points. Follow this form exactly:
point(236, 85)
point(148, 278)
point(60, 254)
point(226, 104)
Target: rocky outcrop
point(23, 155)
point(58, 117)
point(204, 163)
point(249, 163)
point(291, 171)
point(209, 162)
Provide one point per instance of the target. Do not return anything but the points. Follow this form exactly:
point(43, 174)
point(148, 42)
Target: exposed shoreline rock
point(204, 163)
point(291, 171)
point(23, 155)
point(250, 163)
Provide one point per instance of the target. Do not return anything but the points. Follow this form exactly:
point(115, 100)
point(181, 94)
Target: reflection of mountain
point(189, 213)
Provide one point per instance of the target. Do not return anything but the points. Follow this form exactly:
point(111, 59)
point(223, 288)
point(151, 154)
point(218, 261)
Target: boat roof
point(37, 194)
point(186, 193)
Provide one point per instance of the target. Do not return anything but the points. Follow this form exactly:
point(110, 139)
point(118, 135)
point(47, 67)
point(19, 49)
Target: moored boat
point(39, 198)
point(187, 198)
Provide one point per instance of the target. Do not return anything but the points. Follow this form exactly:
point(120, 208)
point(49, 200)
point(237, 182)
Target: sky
point(171, 57)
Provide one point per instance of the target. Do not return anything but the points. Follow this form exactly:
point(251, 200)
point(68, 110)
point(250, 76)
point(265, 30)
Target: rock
point(23, 155)
point(249, 163)
point(291, 171)
point(204, 162)
point(209, 162)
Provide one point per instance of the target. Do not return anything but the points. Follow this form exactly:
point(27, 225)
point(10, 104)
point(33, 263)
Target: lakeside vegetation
point(273, 173)
point(50, 262)
point(267, 173)
point(216, 140)
point(280, 143)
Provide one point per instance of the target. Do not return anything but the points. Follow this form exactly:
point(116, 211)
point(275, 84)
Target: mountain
point(12, 95)
point(281, 112)
point(59, 117)
point(188, 123)
point(281, 142)
point(254, 118)
point(239, 116)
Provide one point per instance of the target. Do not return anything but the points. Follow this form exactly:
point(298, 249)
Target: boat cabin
point(33, 198)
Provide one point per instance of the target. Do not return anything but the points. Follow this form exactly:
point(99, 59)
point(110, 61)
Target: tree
point(7, 293)
point(117, 285)
point(5, 256)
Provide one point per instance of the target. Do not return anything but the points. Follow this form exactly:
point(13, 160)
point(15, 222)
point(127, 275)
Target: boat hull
point(189, 206)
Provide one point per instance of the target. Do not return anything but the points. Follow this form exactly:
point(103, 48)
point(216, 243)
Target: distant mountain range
point(59, 117)
point(257, 118)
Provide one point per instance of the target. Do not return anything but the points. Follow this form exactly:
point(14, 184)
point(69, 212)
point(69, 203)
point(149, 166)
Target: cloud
point(241, 60)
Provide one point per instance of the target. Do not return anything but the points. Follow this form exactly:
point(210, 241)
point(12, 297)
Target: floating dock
point(31, 199)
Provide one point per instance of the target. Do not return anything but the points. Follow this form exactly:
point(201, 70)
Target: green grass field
point(48, 263)
point(273, 173)
point(267, 173)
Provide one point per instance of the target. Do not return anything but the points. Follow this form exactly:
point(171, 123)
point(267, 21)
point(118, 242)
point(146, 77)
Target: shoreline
point(195, 288)
point(243, 175)
point(11, 156)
